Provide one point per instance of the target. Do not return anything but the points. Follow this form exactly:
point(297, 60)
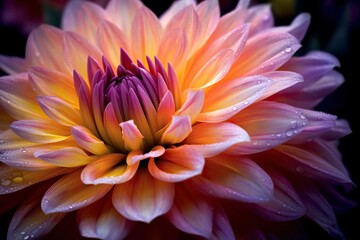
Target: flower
point(187, 124)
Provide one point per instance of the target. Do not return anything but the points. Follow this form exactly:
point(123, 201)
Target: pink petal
point(29, 221)
point(209, 16)
point(136, 156)
point(74, 14)
point(175, 7)
point(341, 129)
point(70, 193)
point(226, 99)
point(40, 50)
point(59, 110)
point(176, 164)
point(17, 98)
point(48, 82)
point(167, 53)
point(192, 105)
point(234, 177)
point(166, 110)
point(108, 169)
point(23, 158)
point(143, 198)
point(285, 205)
point(298, 27)
point(146, 33)
point(13, 180)
point(178, 129)
point(191, 213)
point(222, 228)
point(13, 65)
point(268, 124)
point(65, 157)
point(77, 49)
point(133, 139)
point(261, 18)
point(211, 139)
point(85, 138)
point(110, 38)
point(122, 14)
point(101, 220)
point(256, 58)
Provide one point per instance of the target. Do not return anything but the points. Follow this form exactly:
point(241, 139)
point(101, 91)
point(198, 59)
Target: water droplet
point(37, 54)
point(6, 182)
point(262, 66)
point(22, 233)
point(302, 116)
point(288, 49)
point(17, 179)
point(234, 108)
point(26, 237)
point(289, 133)
point(271, 64)
point(268, 144)
point(246, 102)
point(255, 143)
point(278, 135)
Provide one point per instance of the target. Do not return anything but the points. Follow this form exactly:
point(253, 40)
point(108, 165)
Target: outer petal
point(260, 17)
point(65, 157)
point(49, 82)
point(85, 138)
point(226, 99)
point(74, 15)
point(41, 50)
point(177, 164)
point(213, 138)
point(60, 111)
point(221, 226)
point(143, 198)
point(264, 52)
point(13, 65)
point(70, 193)
point(101, 220)
point(9, 140)
point(175, 7)
point(298, 27)
point(29, 221)
point(268, 124)
point(109, 169)
point(191, 213)
point(13, 180)
point(234, 177)
point(40, 131)
point(17, 97)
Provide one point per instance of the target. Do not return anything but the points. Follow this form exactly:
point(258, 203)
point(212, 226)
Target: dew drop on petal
point(6, 182)
point(289, 133)
point(288, 49)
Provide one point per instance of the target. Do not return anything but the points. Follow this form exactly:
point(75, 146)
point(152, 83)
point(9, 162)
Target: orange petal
point(17, 97)
point(85, 138)
point(209, 15)
point(9, 140)
point(136, 156)
point(40, 131)
point(175, 7)
point(101, 220)
point(143, 198)
point(165, 110)
point(177, 164)
point(60, 111)
point(49, 82)
point(112, 128)
point(192, 105)
point(73, 18)
point(70, 193)
point(65, 157)
point(177, 131)
point(213, 138)
point(133, 139)
point(108, 169)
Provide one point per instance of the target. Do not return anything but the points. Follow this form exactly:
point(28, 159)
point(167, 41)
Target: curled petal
point(109, 169)
point(177, 131)
point(133, 139)
point(40, 131)
point(177, 164)
point(101, 220)
point(191, 213)
point(213, 138)
point(70, 193)
point(192, 105)
point(85, 138)
point(136, 156)
point(143, 198)
point(234, 177)
point(29, 221)
point(65, 157)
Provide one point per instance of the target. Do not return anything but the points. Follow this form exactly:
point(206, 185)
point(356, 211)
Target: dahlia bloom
point(187, 125)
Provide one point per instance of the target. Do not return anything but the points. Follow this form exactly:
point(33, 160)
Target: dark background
point(334, 28)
